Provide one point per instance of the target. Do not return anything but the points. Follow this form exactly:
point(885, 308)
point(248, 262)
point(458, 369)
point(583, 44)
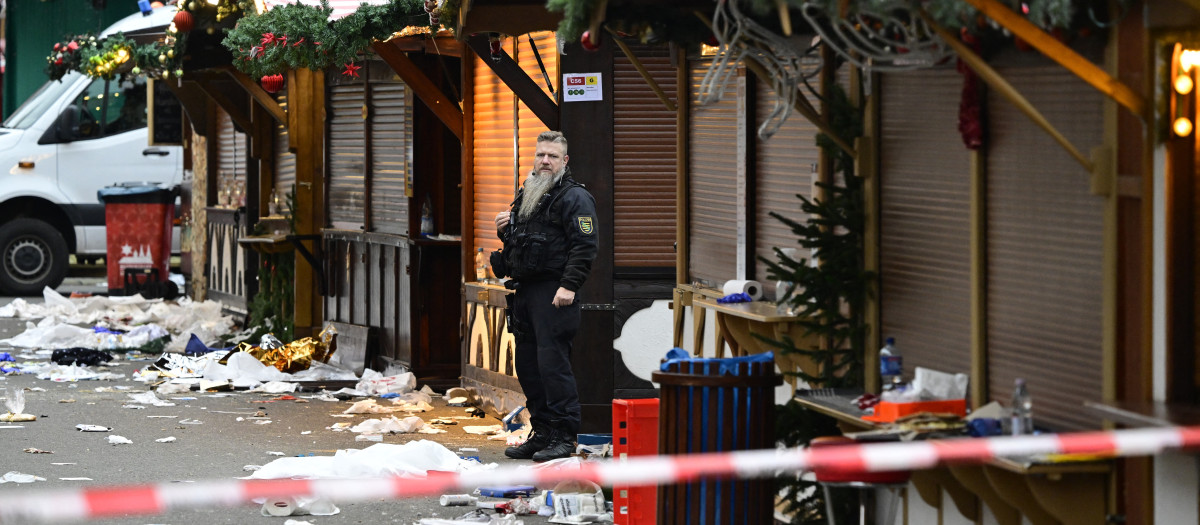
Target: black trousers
point(544, 334)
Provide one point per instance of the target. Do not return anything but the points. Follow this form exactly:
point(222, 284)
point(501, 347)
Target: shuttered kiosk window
point(786, 163)
point(924, 252)
point(391, 156)
point(713, 159)
point(1045, 244)
point(231, 163)
point(644, 144)
point(347, 151)
point(285, 165)
point(493, 153)
point(528, 125)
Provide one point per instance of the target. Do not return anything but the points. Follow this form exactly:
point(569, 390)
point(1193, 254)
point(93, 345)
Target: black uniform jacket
point(557, 241)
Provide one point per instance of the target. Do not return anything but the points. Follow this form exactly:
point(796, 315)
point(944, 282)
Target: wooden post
point(306, 90)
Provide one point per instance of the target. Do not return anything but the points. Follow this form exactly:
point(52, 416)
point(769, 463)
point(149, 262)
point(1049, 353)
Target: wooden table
point(1063, 491)
point(741, 327)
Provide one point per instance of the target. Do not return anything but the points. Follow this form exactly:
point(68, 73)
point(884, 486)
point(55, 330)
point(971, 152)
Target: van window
point(37, 105)
point(110, 107)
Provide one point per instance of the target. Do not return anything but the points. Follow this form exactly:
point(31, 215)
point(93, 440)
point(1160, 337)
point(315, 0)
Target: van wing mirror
point(67, 125)
point(64, 129)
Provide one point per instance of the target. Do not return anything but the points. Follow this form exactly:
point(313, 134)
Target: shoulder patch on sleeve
point(585, 225)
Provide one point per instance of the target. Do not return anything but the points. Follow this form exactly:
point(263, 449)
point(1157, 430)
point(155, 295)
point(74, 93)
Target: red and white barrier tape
point(103, 502)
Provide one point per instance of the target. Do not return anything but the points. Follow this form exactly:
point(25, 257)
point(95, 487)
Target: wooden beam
point(232, 108)
point(259, 95)
point(997, 82)
point(1065, 56)
point(442, 107)
point(515, 78)
point(195, 103)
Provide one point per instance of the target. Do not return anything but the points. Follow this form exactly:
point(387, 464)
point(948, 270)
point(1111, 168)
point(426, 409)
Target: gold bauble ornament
point(171, 53)
point(211, 30)
point(162, 58)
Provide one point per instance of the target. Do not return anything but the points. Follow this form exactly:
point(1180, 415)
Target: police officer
point(549, 238)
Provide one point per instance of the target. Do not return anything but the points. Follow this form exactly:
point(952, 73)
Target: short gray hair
point(554, 136)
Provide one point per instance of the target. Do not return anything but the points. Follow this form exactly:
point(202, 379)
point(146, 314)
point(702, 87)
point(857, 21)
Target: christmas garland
point(108, 58)
point(298, 36)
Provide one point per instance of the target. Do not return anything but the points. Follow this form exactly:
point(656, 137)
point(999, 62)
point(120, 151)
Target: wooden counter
point(741, 327)
point(1063, 490)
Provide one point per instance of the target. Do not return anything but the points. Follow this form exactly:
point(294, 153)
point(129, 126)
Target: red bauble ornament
point(71, 46)
point(586, 41)
point(272, 83)
point(184, 22)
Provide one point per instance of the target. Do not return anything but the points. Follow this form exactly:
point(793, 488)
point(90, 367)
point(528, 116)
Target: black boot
point(538, 439)
point(562, 444)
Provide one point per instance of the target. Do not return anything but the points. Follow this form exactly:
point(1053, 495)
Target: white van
point(67, 141)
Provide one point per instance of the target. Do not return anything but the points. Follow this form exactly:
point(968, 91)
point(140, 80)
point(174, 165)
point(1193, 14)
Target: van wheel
point(34, 257)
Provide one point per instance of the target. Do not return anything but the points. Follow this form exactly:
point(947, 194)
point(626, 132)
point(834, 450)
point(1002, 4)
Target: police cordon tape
point(103, 502)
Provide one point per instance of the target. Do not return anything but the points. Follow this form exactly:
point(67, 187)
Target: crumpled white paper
point(275, 387)
point(412, 459)
point(392, 425)
point(374, 383)
point(148, 398)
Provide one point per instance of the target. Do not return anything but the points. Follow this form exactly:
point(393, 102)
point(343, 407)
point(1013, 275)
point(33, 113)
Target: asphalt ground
point(216, 449)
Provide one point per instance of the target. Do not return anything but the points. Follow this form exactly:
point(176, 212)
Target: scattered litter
point(215, 386)
point(457, 500)
point(190, 422)
point(173, 388)
point(430, 430)
point(168, 417)
point(340, 427)
point(414, 458)
point(369, 437)
point(442, 421)
point(148, 398)
point(119, 440)
point(93, 428)
point(13, 418)
point(251, 468)
point(306, 432)
point(17, 477)
point(299, 507)
point(168, 439)
point(66, 400)
point(80, 356)
point(62, 464)
point(273, 453)
point(297, 522)
point(75, 479)
point(368, 406)
point(374, 383)
point(391, 425)
point(263, 422)
point(32, 450)
point(482, 430)
point(12, 426)
point(135, 407)
point(276, 387)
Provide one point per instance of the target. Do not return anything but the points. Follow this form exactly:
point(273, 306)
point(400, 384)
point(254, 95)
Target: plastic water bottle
point(481, 273)
point(1021, 409)
point(891, 365)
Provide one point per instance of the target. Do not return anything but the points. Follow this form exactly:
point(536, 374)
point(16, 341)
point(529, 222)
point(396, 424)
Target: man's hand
point(563, 297)
point(502, 220)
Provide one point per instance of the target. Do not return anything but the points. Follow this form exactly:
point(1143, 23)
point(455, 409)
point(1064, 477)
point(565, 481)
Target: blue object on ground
point(389, 395)
point(510, 491)
point(197, 347)
point(5, 356)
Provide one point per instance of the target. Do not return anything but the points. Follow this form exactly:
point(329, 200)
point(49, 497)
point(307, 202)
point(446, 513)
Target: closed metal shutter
point(495, 171)
point(528, 125)
point(924, 253)
point(347, 154)
point(713, 161)
point(1045, 245)
point(391, 156)
point(231, 165)
point(786, 166)
point(505, 132)
point(285, 164)
point(644, 144)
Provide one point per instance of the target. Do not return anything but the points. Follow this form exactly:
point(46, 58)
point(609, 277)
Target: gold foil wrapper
point(297, 355)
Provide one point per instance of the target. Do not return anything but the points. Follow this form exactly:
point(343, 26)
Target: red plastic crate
point(635, 433)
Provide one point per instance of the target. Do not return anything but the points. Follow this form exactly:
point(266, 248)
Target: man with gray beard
point(549, 238)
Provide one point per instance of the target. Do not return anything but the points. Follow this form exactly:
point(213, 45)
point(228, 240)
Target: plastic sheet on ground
point(182, 318)
point(275, 387)
point(245, 371)
point(59, 373)
point(18, 477)
point(368, 406)
point(148, 398)
point(391, 425)
point(412, 459)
